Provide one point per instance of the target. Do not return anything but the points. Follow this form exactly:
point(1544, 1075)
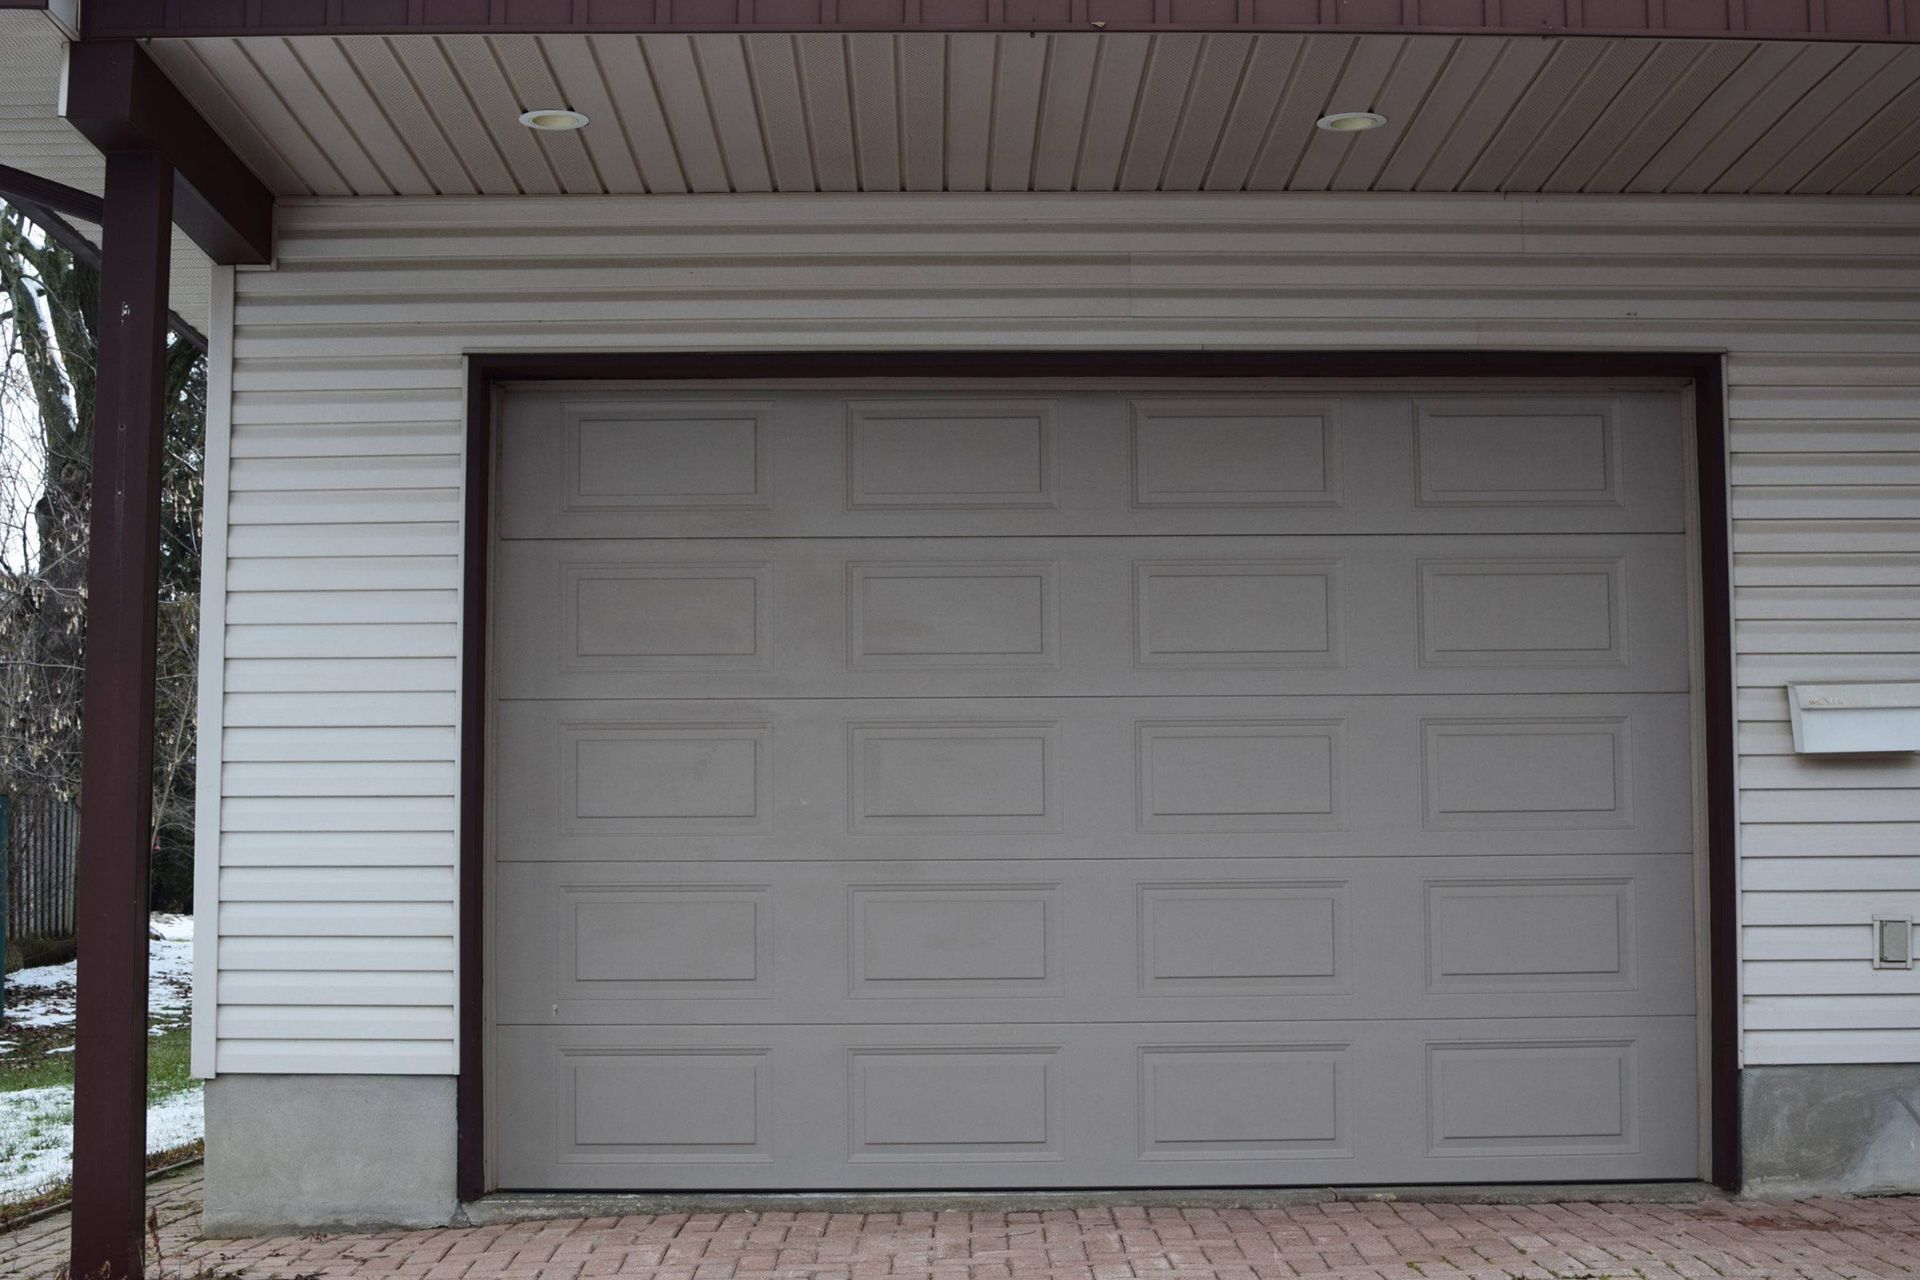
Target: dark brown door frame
point(1703, 370)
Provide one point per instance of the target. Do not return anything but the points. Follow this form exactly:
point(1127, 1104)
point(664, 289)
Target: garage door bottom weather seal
point(519, 1206)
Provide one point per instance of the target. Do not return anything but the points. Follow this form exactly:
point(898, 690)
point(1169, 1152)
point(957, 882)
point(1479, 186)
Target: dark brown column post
point(116, 777)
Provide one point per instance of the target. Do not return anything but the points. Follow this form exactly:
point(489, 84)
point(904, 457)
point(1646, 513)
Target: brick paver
point(1375, 1239)
point(38, 1250)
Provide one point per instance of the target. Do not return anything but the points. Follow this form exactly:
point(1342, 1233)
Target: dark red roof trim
point(1884, 20)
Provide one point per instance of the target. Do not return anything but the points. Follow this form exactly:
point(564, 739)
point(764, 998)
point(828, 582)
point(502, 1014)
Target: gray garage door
point(1091, 786)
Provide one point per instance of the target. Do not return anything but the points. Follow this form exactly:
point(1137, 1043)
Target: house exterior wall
point(331, 706)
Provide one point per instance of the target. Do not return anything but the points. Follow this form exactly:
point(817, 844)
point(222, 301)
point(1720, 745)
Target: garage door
point(1023, 786)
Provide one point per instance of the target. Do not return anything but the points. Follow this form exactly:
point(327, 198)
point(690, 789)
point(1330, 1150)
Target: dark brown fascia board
point(121, 101)
point(1858, 20)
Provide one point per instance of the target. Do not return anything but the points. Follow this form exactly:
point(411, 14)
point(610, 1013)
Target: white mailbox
point(1882, 716)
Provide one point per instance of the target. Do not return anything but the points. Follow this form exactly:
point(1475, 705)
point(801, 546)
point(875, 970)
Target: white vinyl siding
point(1826, 504)
point(336, 797)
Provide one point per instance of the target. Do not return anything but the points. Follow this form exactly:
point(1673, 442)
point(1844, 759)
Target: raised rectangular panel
point(1530, 935)
point(955, 1104)
point(1567, 1097)
point(638, 941)
point(653, 456)
point(1245, 1102)
point(954, 940)
point(1238, 775)
point(975, 614)
point(1484, 774)
point(1237, 613)
point(984, 776)
point(1242, 452)
point(949, 453)
point(665, 617)
point(665, 779)
point(1242, 938)
point(665, 1105)
point(1533, 612)
point(1553, 451)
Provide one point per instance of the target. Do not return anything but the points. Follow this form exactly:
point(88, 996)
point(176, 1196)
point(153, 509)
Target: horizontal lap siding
point(337, 846)
point(337, 808)
point(1826, 464)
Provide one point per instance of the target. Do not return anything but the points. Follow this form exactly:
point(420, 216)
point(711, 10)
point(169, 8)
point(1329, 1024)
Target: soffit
point(371, 115)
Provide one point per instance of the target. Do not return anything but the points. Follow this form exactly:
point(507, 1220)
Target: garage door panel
point(1075, 785)
point(1050, 1105)
point(784, 462)
point(820, 780)
point(1079, 940)
point(1092, 616)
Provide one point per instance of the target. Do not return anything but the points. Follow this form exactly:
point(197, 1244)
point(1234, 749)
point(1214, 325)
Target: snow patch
point(36, 1134)
point(177, 1119)
point(47, 975)
point(43, 996)
point(36, 1125)
point(170, 979)
point(172, 928)
point(36, 1139)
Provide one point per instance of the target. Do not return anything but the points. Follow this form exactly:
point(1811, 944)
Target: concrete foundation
point(316, 1152)
point(1809, 1130)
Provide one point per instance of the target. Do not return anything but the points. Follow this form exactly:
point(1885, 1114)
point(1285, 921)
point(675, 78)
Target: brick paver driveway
point(1397, 1240)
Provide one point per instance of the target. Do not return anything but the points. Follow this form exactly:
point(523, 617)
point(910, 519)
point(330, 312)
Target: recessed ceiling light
point(552, 119)
point(1351, 121)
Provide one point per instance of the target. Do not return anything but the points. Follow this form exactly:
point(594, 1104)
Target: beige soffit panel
point(436, 115)
point(33, 137)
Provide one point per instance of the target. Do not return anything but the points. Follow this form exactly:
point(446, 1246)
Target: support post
point(6, 903)
point(116, 774)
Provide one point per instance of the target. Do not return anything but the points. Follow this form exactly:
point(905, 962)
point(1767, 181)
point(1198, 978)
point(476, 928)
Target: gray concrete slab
point(1835, 1129)
point(319, 1152)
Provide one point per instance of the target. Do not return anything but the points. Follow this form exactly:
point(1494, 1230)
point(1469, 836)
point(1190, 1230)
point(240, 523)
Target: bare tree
point(48, 323)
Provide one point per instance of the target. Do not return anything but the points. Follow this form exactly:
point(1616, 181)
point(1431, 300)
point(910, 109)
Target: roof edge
point(1896, 21)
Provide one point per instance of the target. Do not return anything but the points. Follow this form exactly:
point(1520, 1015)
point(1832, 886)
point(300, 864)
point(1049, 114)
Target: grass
point(168, 1049)
point(41, 1058)
point(167, 1074)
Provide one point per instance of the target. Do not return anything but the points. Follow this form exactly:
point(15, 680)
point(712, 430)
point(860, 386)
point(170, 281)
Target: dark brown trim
point(21, 189)
point(1722, 797)
point(121, 100)
point(1874, 20)
point(74, 241)
point(725, 365)
point(1704, 371)
point(475, 693)
point(116, 808)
